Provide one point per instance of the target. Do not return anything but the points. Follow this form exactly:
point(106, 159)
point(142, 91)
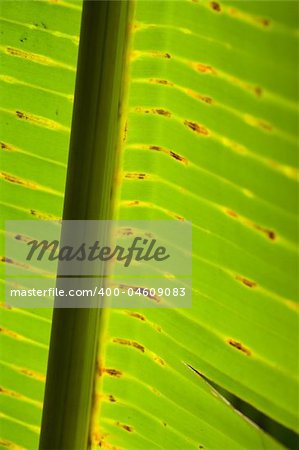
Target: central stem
point(91, 168)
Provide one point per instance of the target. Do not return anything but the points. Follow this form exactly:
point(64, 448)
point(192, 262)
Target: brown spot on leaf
point(111, 398)
point(12, 179)
point(6, 147)
point(10, 445)
point(112, 372)
point(6, 260)
point(159, 81)
point(125, 132)
point(181, 218)
point(137, 316)
point(134, 203)
point(130, 343)
point(32, 374)
point(231, 213)
point(136, 176)
point(208, 100)
point(125, 427)
point(269, 233)
point(159, 361)
point(156, 54)
point(258, 91)
point(203, 68)
point(177, 157)
point(43, 216)
point(266, 126)
point(196, 127)
point(163, 112)
point(41, 121)
point(246, 282)
point(215, 6)
point(264, 22)
point(126, 232)
point(239, 346)
point(21, 115)
point(174, 155)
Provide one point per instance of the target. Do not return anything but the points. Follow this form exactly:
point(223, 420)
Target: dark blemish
point(231, 213)
point(258, 90)
point(165, 82)
point(19, 237)
point(4, 146)
point(203, 68)
point(137, 316)
point(111, 398)
point(135, 176)
point(112, 372)
point(159, 360)
point(44, 25)
point(239, 346)
point(127, 232)
point(179, 217)
point(266, 126)
point(56, 112)
point(196, 127)
point(246, 282)
point(134, 203)
point(163, 112)
point(269, 233)
point(23, 39)
point(177, 157)
point(6, 306)
point(167, 55)
point(12, 179)
point(125, 427)
point(200, 446)
point(264, 22)
point(170, 153)
point(208, 100)
point(160, 81)
point(15, 52)
point(130, 343)
point(20, 115)
point(33, 212)
point(6, 260)
point(164, 423)
point(215, 6)
point(125, 132)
